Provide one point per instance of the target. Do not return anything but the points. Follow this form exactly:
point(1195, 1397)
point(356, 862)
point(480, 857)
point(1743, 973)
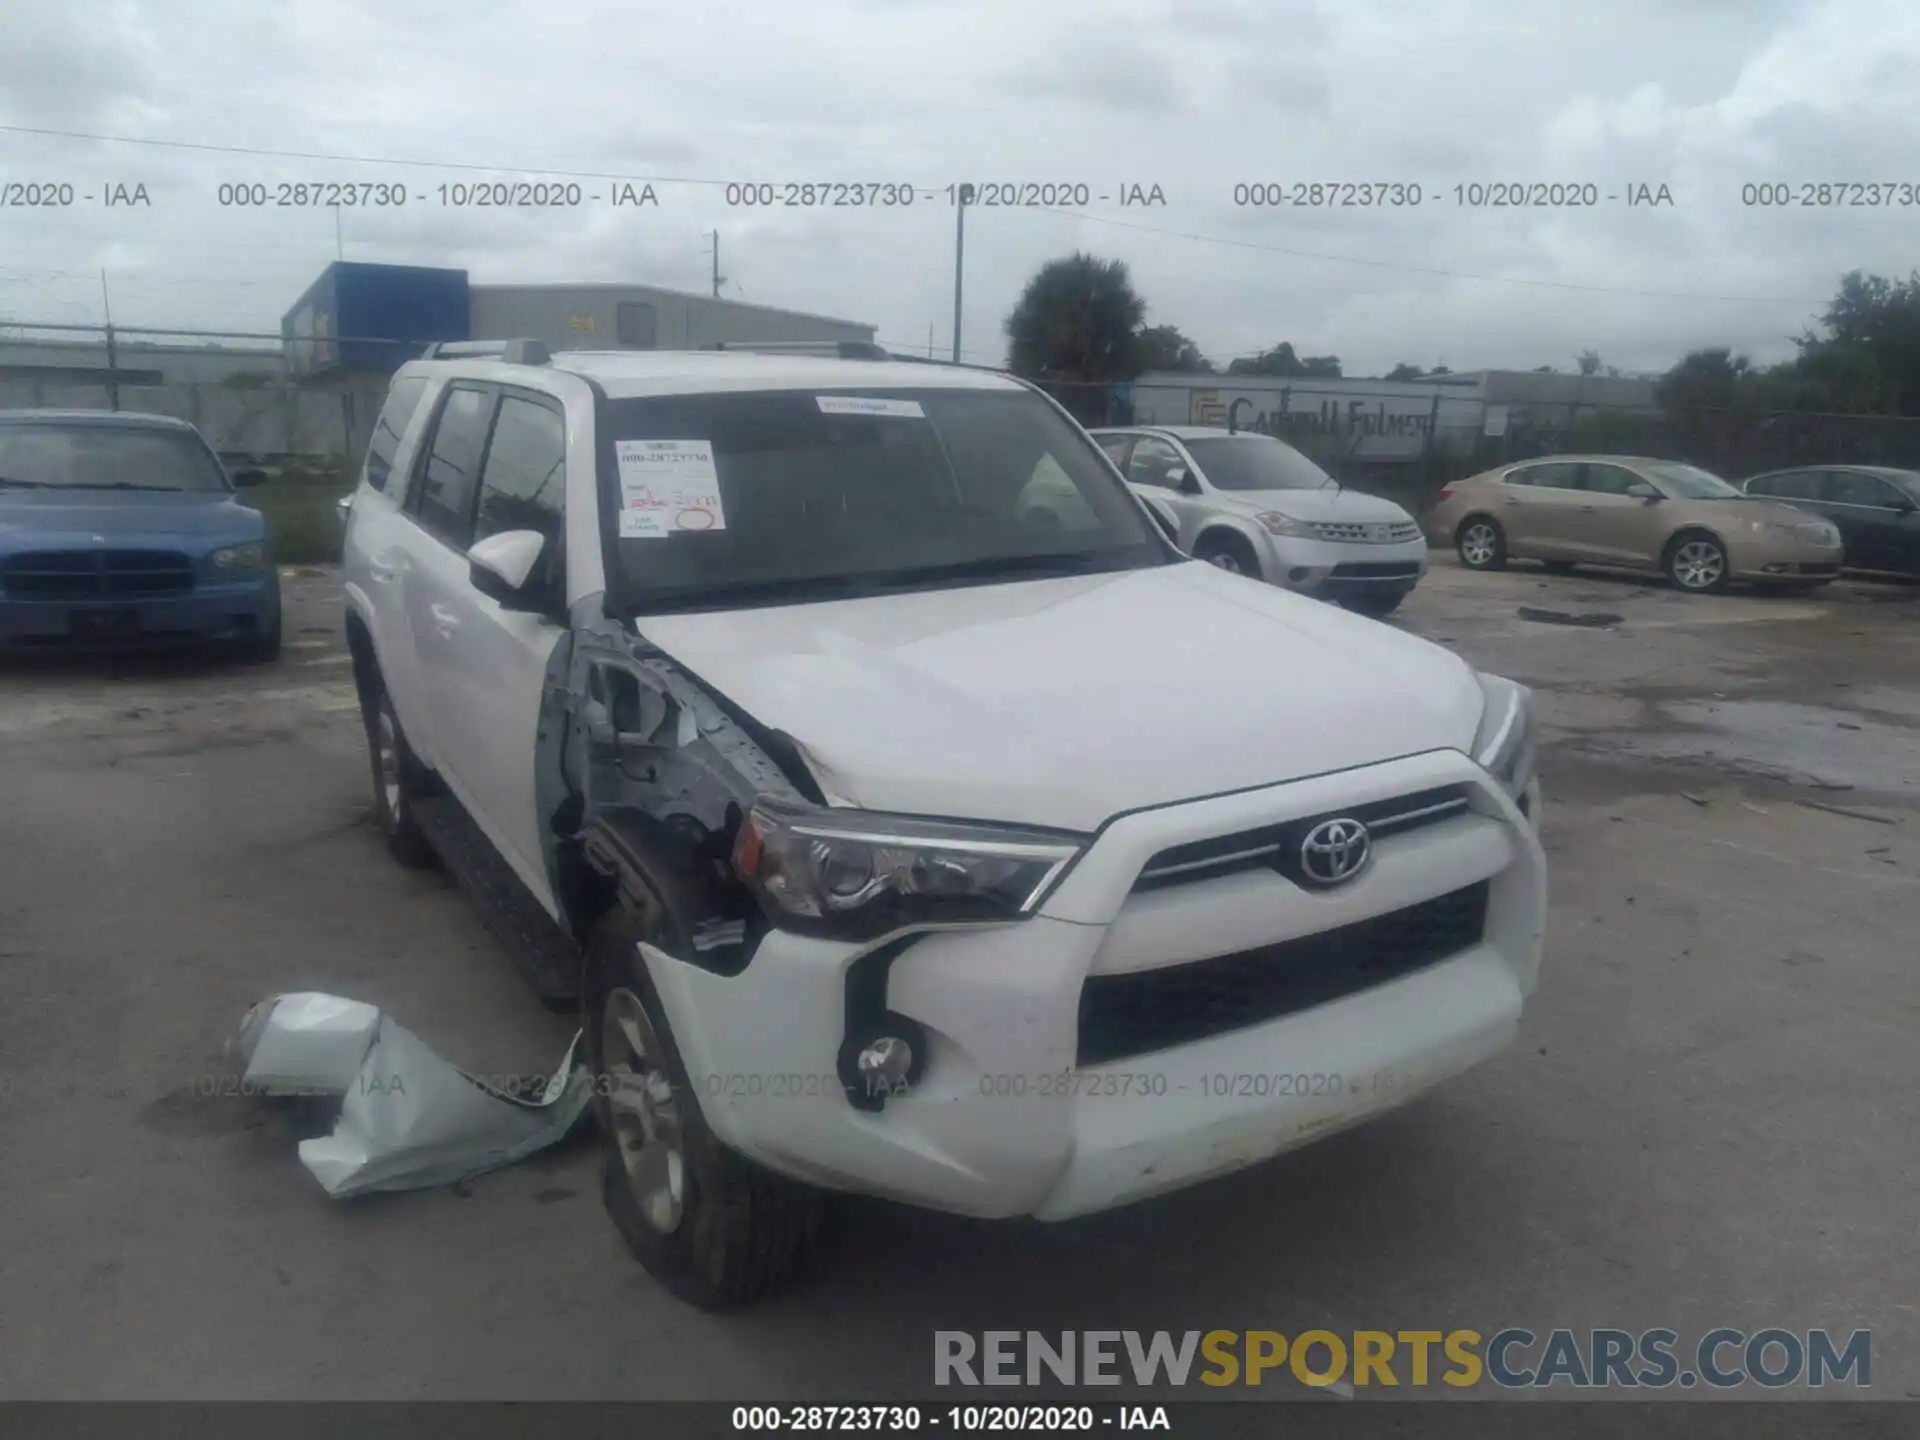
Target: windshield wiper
point(802, 588)
point(129, 485)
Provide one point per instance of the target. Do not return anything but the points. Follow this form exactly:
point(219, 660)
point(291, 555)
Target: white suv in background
point(770, 722)
point(1256, 506)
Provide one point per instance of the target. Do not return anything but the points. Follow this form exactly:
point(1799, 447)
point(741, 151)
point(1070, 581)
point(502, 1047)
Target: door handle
point(1511, 499)
point(380, 574)
point(444, 620)
point(1589, 509)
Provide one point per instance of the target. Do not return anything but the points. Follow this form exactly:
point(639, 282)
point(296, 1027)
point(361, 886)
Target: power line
point(266, 154)
point(1433, 270)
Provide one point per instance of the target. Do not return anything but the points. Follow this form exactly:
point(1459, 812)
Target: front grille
point(1277, 847)
point(91, 574)
point(1123, 1016)
point(1367, 532)
point(1378, 570)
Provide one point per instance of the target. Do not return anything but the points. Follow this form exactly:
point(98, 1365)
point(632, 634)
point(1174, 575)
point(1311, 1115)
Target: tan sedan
point(1632, 513)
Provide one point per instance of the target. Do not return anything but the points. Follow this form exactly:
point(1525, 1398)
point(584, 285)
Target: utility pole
point(339, 245)
point(962, 197)
point(113, 353)
point(718, 278)
point(929, 339)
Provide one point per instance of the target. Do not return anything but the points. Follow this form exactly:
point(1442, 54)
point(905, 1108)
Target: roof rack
point(834, 349)
point(512, 352)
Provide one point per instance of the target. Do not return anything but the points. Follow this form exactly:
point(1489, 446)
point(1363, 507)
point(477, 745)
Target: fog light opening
point(1298, 574)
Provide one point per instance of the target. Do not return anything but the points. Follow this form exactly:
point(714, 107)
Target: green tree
point(1283, 362)
point(1078, 319)
point(1868, 359)
point(1589, 362)
point(1404, 371)
point(1163, 347)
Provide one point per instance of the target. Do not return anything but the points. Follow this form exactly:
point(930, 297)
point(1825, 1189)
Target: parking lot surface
point(1708, 1119)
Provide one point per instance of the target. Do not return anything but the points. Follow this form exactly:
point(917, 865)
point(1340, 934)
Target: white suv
point(893, 838)
point(1256, 506)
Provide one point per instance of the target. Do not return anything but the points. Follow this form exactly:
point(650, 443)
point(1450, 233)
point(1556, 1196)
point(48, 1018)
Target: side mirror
point(1185, 479)
point(252, 475)
point(501, 567)
point(1641, 490)
point(1903, 506)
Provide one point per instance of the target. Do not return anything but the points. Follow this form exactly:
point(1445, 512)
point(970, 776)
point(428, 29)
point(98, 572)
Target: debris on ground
point(408, 1119)
point(1696, 799)
point(1589, 619)
point(1849, 813)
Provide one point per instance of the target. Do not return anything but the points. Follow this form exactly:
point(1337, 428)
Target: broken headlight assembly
point(1508, 744)
point(859, 875)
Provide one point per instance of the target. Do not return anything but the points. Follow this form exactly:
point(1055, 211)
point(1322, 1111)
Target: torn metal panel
point(408, 1118)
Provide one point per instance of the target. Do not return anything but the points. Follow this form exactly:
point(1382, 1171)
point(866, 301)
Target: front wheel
point(1697, 563)
point(1229, 553)
point(397, 779)
point(713, 1227)
point(1482, 544)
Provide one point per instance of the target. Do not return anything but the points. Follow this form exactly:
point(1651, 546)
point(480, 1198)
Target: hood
point(1324, 504)
point(1063, 702)
point(1759, 512)
point(77, 516)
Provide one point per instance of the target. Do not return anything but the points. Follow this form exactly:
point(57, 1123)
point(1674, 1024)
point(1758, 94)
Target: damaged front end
point(643, 769)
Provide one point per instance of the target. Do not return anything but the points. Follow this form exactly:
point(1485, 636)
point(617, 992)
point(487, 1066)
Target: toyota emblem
point(1335, 851)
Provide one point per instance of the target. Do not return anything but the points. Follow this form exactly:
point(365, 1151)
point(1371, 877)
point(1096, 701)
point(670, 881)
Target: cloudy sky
point(1700, 96)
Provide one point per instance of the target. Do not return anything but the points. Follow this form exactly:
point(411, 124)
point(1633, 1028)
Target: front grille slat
point(1367, 532)
point(1137, 1013)
point(84, 574)
point(1272, 845)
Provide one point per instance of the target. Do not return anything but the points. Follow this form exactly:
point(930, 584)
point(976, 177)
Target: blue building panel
point(374, 318)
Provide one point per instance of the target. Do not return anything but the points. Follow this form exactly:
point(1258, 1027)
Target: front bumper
point(1335, 570)
point(1007, 1120)
point(1782, 555)
point(236, 610)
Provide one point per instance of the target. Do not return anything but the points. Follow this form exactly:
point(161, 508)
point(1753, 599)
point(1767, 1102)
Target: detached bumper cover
point(1006, 1121)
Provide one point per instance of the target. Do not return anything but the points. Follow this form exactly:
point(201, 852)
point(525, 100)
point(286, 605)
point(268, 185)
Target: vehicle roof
point(636, 374)
point(1889, 472)
point(133, 419)
point(1584, 457)
point(1179, 432)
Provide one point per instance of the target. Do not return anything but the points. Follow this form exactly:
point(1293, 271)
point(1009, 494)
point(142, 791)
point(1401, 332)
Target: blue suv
point(121, 531)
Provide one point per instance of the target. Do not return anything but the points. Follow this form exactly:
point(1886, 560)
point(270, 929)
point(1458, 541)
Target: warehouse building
point(360, 318)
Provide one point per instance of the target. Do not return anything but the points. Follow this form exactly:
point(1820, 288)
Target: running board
point(542, 950)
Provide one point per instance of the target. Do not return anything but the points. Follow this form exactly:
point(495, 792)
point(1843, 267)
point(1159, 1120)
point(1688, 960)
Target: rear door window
point(403, 398)
point(449, 473)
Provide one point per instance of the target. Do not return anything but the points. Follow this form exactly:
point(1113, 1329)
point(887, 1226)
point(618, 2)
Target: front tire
point(397, 779)
point(713, 1227)
point(1481, 543)
point(1696, 562)
point(1230, 553)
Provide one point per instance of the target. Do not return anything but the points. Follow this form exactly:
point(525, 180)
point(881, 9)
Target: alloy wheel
point(1699, 565)
point(645, 1112)
point(1227, 561)
point(1478, 545)
point(387, 751)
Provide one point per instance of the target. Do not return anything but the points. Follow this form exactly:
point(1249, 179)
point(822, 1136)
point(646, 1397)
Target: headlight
point(250, 556)
point(859, 874)
point(1508, 745)
point(1277, 523)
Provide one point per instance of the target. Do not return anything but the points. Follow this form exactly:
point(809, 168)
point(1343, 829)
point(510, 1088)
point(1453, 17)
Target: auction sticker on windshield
point(667, 487)
point(870, 405)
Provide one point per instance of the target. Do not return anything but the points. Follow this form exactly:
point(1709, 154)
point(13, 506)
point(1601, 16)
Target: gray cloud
point(1702, 95)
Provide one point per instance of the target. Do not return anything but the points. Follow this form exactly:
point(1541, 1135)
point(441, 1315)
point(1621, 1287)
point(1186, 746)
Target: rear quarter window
point(403, 398)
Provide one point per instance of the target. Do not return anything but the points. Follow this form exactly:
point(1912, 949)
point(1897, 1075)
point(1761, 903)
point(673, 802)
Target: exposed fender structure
point(645, 775)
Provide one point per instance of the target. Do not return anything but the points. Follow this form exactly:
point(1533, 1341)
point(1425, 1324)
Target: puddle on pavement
point(1778, 739)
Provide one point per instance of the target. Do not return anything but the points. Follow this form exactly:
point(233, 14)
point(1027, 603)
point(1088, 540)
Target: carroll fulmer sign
point(1353, 419)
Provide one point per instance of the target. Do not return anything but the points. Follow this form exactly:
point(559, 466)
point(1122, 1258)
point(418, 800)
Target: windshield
point(1255, 462)
point(82, 456)
point(755, 498)
point(1690, 482)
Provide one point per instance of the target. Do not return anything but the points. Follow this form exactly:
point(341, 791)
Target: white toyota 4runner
point(894, 835)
